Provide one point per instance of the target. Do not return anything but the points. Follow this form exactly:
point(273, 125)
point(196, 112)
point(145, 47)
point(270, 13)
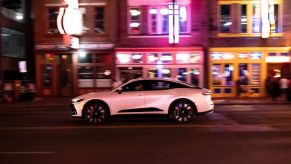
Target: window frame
point(159, 20)
point(249, 32)
point(131, 21)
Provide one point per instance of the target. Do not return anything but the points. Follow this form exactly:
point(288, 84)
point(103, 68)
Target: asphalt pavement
point(65, 102)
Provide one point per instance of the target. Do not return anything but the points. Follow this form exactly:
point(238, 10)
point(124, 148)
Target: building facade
point(65, 71)
point(211, 44)
point(249, 39)
point(16, 59)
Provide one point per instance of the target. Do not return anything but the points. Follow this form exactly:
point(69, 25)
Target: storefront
point(232, 68)
point(65, 72)
point(185, 64)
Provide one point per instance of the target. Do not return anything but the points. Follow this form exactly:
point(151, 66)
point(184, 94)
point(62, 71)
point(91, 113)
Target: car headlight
point(75, 100)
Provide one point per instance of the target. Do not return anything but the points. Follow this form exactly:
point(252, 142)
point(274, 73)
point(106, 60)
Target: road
point(233, 134)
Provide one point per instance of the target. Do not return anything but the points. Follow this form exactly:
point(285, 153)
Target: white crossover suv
point(181, 101)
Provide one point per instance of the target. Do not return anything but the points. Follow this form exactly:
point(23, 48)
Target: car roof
point(164, 79)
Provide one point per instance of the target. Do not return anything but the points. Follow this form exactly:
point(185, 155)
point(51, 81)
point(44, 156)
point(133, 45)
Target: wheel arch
point(98, 101)
point(182, 99)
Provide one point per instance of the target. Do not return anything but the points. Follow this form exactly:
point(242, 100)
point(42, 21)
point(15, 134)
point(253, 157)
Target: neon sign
point(173, 22)
point(268, 18)
point(70, 20)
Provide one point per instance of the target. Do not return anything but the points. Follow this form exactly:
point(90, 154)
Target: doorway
point(64, 74)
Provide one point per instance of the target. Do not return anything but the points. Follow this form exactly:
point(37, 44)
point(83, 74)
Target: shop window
point(217, 90)
point(256, 55)
point(152, 58)
point(182, 74)
point(123, 58)
point(85, 76)
point(194, 57)
point(85, 58)
point(52, 20)
point(227, 90)
point(225, 19)
point(103, 58)
point(228, 74)
point(46, 73)
point(243, 19)
point(135, 21)
point(255, 74)
point(99, 20)
point(222, 74)
point(243, 70)
point(127, 73)
point(194, 74)
point(166, 58)
point(137, 58)
point(103, 77)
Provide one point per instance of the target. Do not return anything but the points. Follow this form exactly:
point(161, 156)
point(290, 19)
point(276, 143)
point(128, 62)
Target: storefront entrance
point(64, 73)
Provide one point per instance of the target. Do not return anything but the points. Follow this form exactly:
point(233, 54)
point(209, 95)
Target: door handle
point(139, 94)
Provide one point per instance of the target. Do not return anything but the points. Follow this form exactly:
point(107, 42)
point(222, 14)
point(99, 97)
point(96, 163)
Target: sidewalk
point(66, 101)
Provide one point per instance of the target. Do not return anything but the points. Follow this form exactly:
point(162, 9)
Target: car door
point(129, 99)
point(158, 95)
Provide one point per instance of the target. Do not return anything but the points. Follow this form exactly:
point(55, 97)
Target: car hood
point(98, 95)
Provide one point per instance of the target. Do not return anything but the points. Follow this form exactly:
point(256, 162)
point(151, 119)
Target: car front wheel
point(182, 111)
point(96, 113)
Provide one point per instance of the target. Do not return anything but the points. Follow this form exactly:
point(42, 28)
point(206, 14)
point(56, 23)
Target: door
point(64, 74)
point(158, 95)
point(130, 99)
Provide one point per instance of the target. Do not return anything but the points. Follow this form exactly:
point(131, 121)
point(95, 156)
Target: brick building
point(208, 43)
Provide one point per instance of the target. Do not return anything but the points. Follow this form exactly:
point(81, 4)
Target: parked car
point(181, 101)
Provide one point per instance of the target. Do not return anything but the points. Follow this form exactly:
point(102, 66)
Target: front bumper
point(73, 110)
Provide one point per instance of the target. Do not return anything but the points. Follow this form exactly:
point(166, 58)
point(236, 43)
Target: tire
point(182, 111)
point(96, 113)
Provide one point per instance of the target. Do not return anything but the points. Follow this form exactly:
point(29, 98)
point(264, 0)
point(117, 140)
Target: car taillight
point(206, 92)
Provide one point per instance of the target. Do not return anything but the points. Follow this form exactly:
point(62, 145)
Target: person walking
point(274, 88)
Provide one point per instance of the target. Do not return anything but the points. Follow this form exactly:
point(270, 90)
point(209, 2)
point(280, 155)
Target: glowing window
point(225, 19)
point(99, 20)
point(135, 21)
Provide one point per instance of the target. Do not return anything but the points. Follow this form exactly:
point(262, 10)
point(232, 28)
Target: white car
point(181, 101)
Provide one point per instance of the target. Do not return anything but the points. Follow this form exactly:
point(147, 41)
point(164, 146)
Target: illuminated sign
point(278, 59)
point(173, 22)
point(70, 20)
point(268, 18)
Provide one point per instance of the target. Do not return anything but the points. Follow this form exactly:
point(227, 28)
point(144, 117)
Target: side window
point(158, 85)
point(134, 86)
point(177, 85)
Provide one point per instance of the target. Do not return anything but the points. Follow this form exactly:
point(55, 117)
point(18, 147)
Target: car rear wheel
point(182, 111)
point(96, 113)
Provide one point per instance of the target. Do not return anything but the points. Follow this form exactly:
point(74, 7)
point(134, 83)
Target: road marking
point(26, 153)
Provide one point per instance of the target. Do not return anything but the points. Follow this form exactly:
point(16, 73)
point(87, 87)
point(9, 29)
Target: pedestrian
point(268, 85)
point(274, 89)
point(284, 86)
